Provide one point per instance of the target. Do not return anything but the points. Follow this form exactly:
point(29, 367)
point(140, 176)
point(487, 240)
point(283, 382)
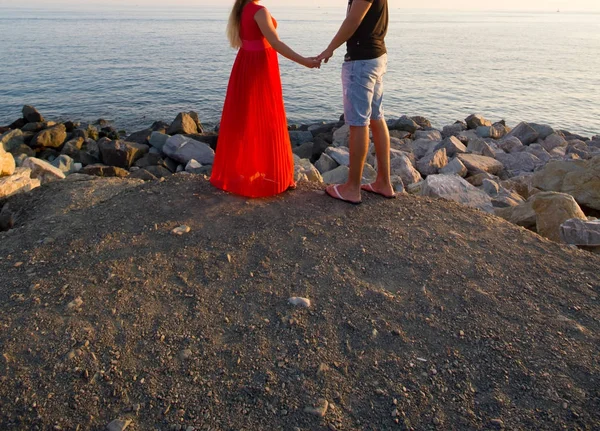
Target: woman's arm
point(353, 20)
point(265, 23)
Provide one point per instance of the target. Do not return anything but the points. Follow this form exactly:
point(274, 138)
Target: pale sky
point(533, 5)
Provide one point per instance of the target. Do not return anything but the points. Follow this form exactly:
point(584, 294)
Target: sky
point(531, 5)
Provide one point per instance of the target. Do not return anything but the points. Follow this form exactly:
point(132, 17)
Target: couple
point(254, 154)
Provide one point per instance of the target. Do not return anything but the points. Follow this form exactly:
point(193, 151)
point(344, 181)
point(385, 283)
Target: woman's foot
point(340, 193)
point(387, 191)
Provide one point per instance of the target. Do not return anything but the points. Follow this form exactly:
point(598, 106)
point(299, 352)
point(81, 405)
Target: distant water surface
point(134, 66)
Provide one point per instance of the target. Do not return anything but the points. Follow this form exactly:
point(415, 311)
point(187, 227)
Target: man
point(364, 30)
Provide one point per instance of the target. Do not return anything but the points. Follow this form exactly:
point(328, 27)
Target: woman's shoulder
point(254, 7)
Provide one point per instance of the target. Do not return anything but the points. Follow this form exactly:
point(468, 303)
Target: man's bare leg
point(381, 139)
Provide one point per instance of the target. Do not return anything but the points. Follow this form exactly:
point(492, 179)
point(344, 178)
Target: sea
point(136, 65)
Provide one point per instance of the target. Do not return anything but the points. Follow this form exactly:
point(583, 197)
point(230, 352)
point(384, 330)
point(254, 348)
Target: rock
point(318, 129)
point(477, 179)
point(299, 137)
point(433, 162)
point(23, 150)
point(399, 134)
point(423, 122)
point(526, 134)
point(552, 210)
point(421, 147)
point(554, 141)
point(11, 140)
point(454, 188)
point(452, 145)
point(37, 127)
point(520, 184)
point(180, 230)
point(539, 151)
point(511, 145)
point(183, 149)
point(7, 163)
point(193, 167)
point(158, 140)
point(7, 220)
point(73, 147)
point(432, 135)
point(304, 151)
point(90, 153)
point(401, 145)
point(498, 130)
point(305, 169)
point(299, 302)
point(21, 158)
point(455, 167)
point(521, 215)
point(492, 188)
point(517, 163)
point(340, 154)
point(65, 164)
point(121, 154)
point(19, 182)
point(474, 121)
point(338, 175)
point(42, 170)
point(184, 124)
point(467, 136)
point(397, 183)
point(140, 137)
point(405, 124)
point(320, 144)
point(320, 409)
point(118, 425)
point(150, 159)
point(402, 167)
point(581, 232)
point(506, 198)
point(453, 130)
point(369, 174)
point(142, 174)
point(543, 130)
point(477, 146)
point(104, 171)
point(341, 136)
point(476, 164)
point(53, 137)
point(32, 115)
point(578, 178)
point(161, 171)
point(325, 164)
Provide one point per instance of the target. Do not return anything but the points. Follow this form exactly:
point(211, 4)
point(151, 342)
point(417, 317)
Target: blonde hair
point(233, 26)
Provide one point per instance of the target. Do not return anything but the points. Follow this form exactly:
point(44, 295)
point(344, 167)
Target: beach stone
point(490, 187)
point(454, 188)
point(150, 159)
point(539, 151)
point(299, 302)
point(499, 130)
point(19, 182)
point(552, 210)
point(369, 174)
point(37, 127)
point(319, 409)
point(304, 151)
point(53, 137)
point(554, 141)
point(433, 162)
point(423, 122)
point(341, 136)
point(526, 134)
point(21, 158)
point(184, 124)
point(511, 145)
point(161, 171)
point(183, 149)
point(338, 175)
point(405, 124)
point(299, 137)
point(517, 163)
point(11, 140)
point(121, 154)
point(401, 144)
point(476, 164)
point(319, 129)
point(578, 178)
point(42, 170)
point(90, 153)
point(7, 163)
point(452, 145)
point(583, 233)
point(478, 178)
point(340, 154)
point(453, 130)
point(521, 215)
point(158, 140)
point(99, 170)
point(475, 120)
point(118, 425)
point(397, 184)
point(468, 136)
point(432, 135)
point(142, 174)
point(477, 146)
point(506, 198)
point(422, 147)
point(543, 130)
point(455, 167)
point(325, 164)
point(140, 137)
point(520, 184)
point(305, 168)
point(403, 167)
point(32, 115)
point(65, 164)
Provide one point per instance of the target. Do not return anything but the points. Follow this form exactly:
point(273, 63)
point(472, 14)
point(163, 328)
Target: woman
point(254, 154)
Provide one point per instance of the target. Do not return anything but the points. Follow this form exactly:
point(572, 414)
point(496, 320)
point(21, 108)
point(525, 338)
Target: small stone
point(181, 230)
point(301, 302)
point(395, 413)
point(118, 425)
point(76, 303)
point(320, 409)
point(186, 354)
point(497, 423)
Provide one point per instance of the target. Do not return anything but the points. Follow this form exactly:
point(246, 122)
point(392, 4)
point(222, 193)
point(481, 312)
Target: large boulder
point(423, 122)
point(90, 153)
point(37, 127)
point(543, 130)
point(526, 134)
point(341, 136)
point(552, 210)
point(402, 167)
point(578, 178)
point(121, 154)
point(581, 232)
point(53, 137)
point(433, 162)
point(421, 147)
point(340, 154)
point(474, 121)
point(454, 129)
point(454, 188)
point(184, 124)
point(539, 151)
point(19, 182)
point(73, 147)
point(452, 145)
point(299, 137)
point(325, 164)
point(183, 149)
point(455, 167)
point(521, 215)
point(7, 163)
point(511, 145)
point(32, 115)
point(477, 164)
point(405, 124)
point(517, 163)
point(66, 164)
point(430, 134)
point(43, 171)
point(158, 140)
point(337, 176)
point(554, 141)
point(11, 140)
point(305, 170)
point(140, 137)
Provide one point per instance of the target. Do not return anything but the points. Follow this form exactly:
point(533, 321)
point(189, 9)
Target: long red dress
point(254, 153)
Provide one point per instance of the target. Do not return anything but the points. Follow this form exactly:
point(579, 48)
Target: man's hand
point(325, 55)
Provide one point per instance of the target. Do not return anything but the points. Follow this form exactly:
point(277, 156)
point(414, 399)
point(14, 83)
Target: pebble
point(118, 425)
point(186, 354)
point(301, 302)
point(319, 410)
point(76, 303)
point(498, 423)
point(181, 230)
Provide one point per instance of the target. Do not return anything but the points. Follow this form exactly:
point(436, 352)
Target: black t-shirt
point(368, 41)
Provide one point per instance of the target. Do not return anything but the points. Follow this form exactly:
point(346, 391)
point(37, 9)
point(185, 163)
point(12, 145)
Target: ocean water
point(134, 66)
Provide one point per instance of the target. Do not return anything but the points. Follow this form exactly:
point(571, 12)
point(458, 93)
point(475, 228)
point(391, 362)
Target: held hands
point(325, 55)
point(311, 62)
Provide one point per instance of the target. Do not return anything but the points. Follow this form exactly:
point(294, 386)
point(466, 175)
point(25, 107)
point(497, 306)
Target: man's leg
point(358, 146)
point(381, 139)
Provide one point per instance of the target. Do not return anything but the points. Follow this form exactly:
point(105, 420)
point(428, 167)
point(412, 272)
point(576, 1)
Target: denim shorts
point(362, 81)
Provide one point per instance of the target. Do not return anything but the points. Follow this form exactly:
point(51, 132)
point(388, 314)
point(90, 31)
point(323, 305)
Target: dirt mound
point(425, 314)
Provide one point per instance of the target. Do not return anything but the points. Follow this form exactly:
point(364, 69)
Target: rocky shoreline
point(532, 175)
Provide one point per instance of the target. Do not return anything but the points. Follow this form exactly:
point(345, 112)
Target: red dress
point(254, 153)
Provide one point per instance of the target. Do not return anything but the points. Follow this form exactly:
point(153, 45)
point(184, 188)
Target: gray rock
point(140, 137)
point(402, 166)
point(340, 154)
point(455, 167)
point(193, 167)
point(454, 188)
point(337, 176)
point(32, 115)
point(492, 188)
point(341, 136)
point(477, 164)
point(183, 149)
point(325, 164)
point(467, 136)
point(158, 140)
point(304, 151)
point(37, 127)
point(73, 147)
point(543, 130)
point(161, 171)
point(150, 159)
point(118, 425)
point(142, 174)
point(423, 122)
point(477, 146)
point(511, 145)
point(453, 146)
point(432, 135)
point(299, 137)
point(553, 141)
point(401, 144)
point(405, 124)
point(42, 170)
point(11, 140)
point(397, 183)
point(517, 163)
point(90, 153)
point(53, 137)
point(433, 162)
point(453, 130)
point(121, 154)
point(65, 164)
point(184, 124)
point(475, 120)
point(421, 147)
point(581, 232)
point(521, 215)
point(526, 134)
point(19, 182)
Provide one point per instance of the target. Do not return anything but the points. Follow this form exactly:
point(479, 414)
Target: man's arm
point(355, 17)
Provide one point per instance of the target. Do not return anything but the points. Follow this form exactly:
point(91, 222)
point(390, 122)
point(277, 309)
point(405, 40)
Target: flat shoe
point(369, 188)
point(339, 197)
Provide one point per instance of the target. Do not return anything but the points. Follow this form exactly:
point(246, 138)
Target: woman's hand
point(311, 62)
